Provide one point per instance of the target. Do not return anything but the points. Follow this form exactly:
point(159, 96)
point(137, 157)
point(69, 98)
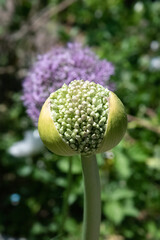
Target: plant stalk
point(66, 197)
point(92, 199)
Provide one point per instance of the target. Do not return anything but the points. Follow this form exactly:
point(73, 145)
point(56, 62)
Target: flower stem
point(66, 197)
point(92, 201)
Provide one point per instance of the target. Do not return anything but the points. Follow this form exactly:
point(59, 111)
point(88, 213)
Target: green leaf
point(24, 171)
point(70, 226)
point(114, 211)
point(121, 193)
point(129, 209)
point(42, 175)
point(154, 162)
point(38, 228)
point(63, 165)
point(34, 205)
point(122, 165)
point(137, 152)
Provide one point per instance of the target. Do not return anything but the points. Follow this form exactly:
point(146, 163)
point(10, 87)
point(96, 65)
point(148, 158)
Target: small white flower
point(154, 45)
point(30, 145)
point(109, 155)
point(155, 63)
point(138, 7)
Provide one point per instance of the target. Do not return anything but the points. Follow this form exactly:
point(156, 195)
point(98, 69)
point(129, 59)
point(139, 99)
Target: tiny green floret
point(80, 112)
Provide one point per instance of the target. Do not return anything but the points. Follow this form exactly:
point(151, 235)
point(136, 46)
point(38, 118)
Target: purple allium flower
point(58, 66)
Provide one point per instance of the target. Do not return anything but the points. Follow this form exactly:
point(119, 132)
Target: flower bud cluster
point(80, 112)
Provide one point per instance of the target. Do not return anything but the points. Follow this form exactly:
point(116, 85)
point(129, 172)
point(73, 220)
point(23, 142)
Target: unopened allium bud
point(82, 118)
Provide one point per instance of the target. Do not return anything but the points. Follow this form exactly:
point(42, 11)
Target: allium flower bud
point(82, 118)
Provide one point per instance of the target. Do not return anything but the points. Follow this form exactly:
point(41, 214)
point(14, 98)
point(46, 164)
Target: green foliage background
point(125, 33)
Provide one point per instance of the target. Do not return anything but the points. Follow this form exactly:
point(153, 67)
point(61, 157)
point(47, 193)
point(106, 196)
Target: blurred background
point(35, 202)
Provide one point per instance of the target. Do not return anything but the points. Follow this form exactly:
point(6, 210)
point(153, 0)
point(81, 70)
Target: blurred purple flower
point(58, 66)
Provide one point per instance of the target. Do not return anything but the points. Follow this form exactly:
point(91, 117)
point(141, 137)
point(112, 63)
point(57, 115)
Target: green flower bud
point(82, 118)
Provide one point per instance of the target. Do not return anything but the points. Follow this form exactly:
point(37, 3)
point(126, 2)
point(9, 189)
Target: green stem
point(66, 197)
point(92, 201)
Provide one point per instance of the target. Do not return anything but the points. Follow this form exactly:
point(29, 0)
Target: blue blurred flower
point(15, 198)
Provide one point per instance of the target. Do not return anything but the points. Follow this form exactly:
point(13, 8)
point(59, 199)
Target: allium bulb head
point(82, 118)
